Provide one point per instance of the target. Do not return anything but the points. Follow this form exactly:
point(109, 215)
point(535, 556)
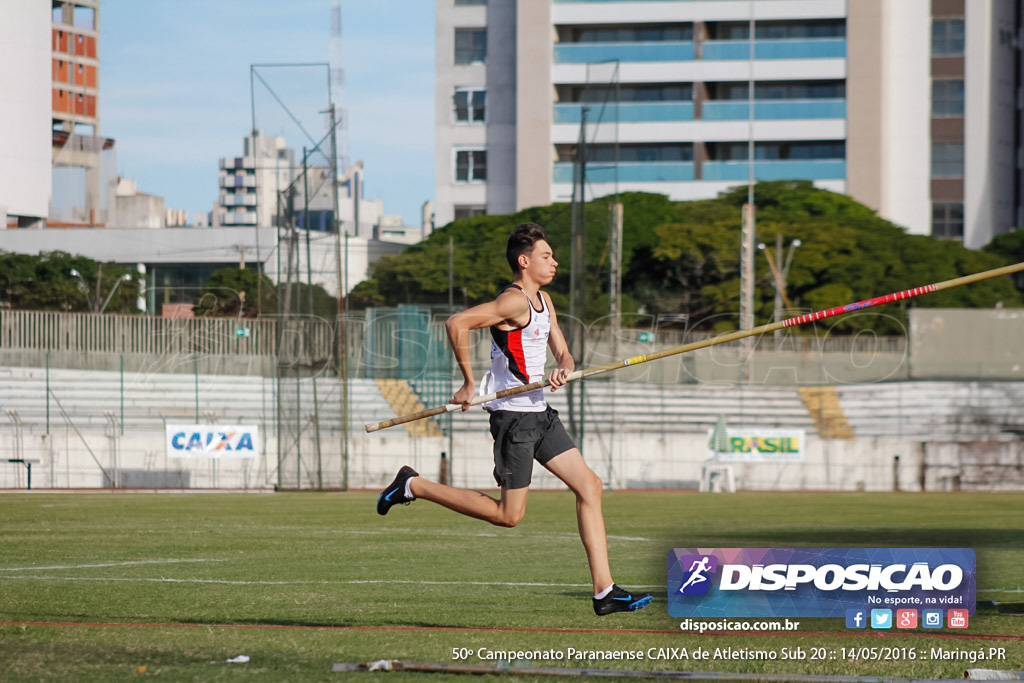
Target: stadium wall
point(95, 458)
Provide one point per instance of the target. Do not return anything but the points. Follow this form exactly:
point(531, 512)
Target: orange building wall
point(69, 47)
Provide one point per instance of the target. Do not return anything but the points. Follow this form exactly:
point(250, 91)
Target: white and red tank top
point(518, 358)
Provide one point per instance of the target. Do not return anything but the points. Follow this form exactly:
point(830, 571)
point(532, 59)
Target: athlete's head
point(521, 243)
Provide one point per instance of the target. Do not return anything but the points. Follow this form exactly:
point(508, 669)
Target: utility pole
point(342, 332)
point(578, 278)
point(748, 231)
point(615, 276)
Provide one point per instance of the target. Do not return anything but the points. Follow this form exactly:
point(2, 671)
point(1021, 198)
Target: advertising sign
point(757, 445)
point(212, 441)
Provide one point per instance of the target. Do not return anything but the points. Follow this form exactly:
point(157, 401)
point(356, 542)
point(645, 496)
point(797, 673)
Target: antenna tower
point(337, 60)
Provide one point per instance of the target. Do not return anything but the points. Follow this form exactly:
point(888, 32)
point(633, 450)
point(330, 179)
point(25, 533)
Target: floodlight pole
point(123, 278)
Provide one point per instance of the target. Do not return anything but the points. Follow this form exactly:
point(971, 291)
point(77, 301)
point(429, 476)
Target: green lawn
point(299, 581)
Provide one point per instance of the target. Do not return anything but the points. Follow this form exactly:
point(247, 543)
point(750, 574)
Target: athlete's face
point(541, 263)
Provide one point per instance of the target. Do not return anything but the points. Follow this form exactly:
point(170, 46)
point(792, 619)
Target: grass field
point(94, 586)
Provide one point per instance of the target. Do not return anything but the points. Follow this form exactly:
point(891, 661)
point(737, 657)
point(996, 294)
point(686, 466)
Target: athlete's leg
point(507, 512)
point(572, 469)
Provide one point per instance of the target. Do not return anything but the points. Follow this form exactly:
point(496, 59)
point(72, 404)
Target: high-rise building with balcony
point(912, 107)
point(249, 185)
point(83, 164)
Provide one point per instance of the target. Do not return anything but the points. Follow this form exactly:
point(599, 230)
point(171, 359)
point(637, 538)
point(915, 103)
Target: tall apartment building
point(249, 184)
point(82, 160)
point(266, 182)
point(912, 107)
point(25, 138)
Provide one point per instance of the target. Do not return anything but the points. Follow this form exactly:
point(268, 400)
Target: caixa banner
point(817, 582)
point(212, 441)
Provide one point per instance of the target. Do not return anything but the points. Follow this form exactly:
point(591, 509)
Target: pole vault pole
point(721, 339)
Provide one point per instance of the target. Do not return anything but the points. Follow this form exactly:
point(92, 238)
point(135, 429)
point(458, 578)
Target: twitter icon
point(881, 618)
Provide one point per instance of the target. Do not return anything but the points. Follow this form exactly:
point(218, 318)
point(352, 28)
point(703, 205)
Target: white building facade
point(267, 187)
point(910, 106)
point(25, 127)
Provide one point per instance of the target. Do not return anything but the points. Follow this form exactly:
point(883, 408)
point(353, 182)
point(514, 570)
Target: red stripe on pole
point(867, 303)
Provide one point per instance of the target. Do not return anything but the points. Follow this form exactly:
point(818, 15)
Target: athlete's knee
point(508, 518)
point(589, 488)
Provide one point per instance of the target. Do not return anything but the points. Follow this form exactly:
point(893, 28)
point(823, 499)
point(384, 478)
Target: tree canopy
point(44, 282)
point(244, 293)
point(684, 258)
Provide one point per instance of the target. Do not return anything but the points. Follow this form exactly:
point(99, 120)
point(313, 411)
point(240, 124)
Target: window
point(470, 45)
point(655, 33)
point(470, 105)
point(630, 153)
point(947, 160)
point(775, 151)
point(948, 98)
point(464, 211)
point(668, 92)
point(777, 30)
point(948, 220)
point(947, 37)
point(778, 90)
point(470, 165)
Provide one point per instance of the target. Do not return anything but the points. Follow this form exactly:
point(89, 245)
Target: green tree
point(1010, 247)
point(324, 305)
point(235, 292)
point(45, 283)
point(683, 257)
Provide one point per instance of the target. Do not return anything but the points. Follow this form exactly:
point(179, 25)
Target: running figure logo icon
point(699, 566)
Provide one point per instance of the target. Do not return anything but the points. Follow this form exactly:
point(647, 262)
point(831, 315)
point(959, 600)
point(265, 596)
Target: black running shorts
point(521, 438)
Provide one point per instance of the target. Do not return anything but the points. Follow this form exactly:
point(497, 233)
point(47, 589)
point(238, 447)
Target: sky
point(175, 90)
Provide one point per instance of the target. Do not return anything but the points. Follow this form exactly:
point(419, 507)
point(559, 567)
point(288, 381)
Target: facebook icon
point(856, 618)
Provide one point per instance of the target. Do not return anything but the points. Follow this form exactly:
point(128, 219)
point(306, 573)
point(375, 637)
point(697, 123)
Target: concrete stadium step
point(86, 396)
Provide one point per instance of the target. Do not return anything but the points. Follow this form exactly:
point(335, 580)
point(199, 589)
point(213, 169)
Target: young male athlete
point(523, 323)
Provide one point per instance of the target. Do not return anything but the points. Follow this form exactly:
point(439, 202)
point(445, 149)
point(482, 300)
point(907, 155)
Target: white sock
point(605, 592)
point(408, 489)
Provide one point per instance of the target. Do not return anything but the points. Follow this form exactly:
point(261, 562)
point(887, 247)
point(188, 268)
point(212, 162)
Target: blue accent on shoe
point(619, 600)
point(641, 603)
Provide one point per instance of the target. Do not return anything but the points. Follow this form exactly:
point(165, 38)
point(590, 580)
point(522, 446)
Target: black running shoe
point(619, 600)
point(395, 492)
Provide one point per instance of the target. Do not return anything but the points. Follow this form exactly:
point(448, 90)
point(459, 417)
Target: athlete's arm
point(510, 308)
point(559, 349)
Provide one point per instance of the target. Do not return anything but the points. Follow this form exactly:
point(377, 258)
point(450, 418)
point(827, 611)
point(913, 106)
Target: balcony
point(821, 48)
point(239, 218)
point(625, 112)
point(735, 110)
point(232, 163)
point(232, 199)
point(629, 172)
point(780, 169)
point(230, 181)
point(585, 53)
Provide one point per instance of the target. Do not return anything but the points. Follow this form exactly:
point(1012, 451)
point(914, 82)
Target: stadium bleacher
point(87, 397)
point(928, 411)
point(935, 411)
point(666, 408)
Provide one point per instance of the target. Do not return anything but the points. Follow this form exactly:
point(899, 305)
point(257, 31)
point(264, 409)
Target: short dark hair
point(521, 241)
